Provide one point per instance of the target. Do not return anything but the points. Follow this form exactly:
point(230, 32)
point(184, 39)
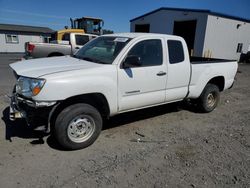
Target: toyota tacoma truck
point(113, 74)
point(70, 43)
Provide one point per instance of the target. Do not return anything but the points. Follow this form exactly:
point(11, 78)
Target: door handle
point(77, 48)
point(161, 73)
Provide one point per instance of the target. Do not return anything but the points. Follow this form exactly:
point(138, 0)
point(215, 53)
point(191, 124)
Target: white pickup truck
point(71, 43)
point(110, 75)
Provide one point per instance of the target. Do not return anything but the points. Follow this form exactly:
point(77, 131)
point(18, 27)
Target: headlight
point(29, 87)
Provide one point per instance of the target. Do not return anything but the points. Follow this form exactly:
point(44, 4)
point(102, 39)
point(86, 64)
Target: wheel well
point(55, 54)
point(218, 81)
point(96, 100)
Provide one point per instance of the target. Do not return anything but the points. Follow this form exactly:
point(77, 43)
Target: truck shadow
point(20, 129)
point(142, 114)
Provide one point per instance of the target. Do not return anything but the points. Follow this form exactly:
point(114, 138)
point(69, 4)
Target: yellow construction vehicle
point(88, 24)
point(83, 25)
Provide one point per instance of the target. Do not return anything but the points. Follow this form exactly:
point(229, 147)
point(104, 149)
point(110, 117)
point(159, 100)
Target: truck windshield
point(102, 49)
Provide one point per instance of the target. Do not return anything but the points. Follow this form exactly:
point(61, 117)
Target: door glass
point(149, 52)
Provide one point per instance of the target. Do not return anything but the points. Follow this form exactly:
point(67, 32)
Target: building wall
point(17, 47)
point(222, 37)
point(163, 22)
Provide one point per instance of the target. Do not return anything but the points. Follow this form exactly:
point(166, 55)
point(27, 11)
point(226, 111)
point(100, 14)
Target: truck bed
point(202, 60)
point(46, 49)
point(204, 68)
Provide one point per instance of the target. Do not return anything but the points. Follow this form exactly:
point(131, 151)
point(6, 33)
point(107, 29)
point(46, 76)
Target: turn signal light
point(36, 90)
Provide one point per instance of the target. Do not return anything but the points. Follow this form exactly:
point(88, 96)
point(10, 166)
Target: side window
point(175, 51)
point(149, 51)
point(46, 39)
point(66, 37)
point(81, 39)
point(11, 38)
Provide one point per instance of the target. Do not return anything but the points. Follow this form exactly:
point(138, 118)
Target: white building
point(207, 33)
point(13, 37)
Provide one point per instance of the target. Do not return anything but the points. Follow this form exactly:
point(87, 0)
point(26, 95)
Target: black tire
point(76, 120)
point(209, 98)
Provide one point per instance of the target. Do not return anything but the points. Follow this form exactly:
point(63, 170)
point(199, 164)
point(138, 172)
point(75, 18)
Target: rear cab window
point(175, 51)
point(66, 37)
point(81, 39)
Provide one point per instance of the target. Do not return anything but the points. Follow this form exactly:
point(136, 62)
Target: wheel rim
point(211, 100)
point(81, 128)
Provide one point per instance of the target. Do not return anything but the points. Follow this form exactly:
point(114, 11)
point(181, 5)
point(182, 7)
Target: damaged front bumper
point(15, 111)
point(36, 113)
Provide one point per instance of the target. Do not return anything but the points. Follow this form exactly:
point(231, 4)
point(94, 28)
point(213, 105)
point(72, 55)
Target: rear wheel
point(78, 126)
point(209, 98)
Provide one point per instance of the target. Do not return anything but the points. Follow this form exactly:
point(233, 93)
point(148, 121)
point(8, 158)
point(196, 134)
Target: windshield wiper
point(89, 59)
point(99, 61)
point(92, 60)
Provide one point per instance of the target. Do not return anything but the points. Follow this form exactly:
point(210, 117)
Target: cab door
point(142, 84)
point(179, 70)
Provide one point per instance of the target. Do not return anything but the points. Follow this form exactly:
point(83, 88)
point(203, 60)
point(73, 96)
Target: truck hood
point(39, 67)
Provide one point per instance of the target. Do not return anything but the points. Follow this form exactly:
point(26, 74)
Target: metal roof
point(25, 28)
point(89, 18)
point(194, 10)
point(138, 35)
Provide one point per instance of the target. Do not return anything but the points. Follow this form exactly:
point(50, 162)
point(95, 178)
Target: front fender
point(60, 87)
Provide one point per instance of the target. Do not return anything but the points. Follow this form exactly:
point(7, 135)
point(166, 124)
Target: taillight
point(30, 47)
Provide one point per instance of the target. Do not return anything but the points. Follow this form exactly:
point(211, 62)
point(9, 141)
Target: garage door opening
point(186, 29)
point(144, 28)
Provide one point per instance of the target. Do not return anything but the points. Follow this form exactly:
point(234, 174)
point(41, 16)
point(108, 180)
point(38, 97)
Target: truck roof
point(136, 35)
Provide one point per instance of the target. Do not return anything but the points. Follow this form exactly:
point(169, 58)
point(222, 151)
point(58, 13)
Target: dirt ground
point(166, 146)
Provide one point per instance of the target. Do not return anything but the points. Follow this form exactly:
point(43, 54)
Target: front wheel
point(209, 98)
point(78, 126)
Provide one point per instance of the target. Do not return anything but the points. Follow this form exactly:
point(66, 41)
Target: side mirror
point(132, 61)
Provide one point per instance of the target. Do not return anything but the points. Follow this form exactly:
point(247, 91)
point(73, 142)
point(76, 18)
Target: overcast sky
point(116, 14)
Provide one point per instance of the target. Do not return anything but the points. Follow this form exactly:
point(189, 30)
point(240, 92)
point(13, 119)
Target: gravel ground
point(166, 146)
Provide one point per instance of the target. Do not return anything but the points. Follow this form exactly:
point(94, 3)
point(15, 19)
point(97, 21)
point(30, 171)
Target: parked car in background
point(110, 75)
point(70, 43)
